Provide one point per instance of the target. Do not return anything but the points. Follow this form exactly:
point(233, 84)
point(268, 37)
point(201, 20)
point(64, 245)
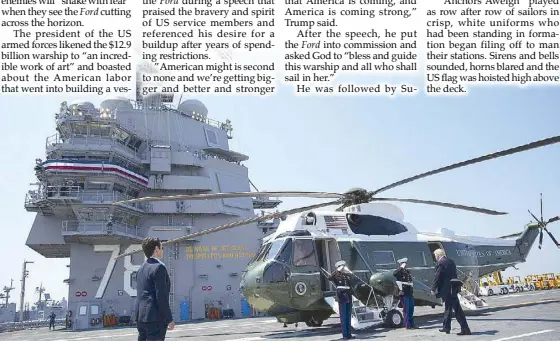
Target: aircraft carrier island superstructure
point(127, 149)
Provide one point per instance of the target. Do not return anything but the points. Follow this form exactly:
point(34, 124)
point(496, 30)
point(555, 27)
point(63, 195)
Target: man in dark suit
point(446, 286)
point(153, 314)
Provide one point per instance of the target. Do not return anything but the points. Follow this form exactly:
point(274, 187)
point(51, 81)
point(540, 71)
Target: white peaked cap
point(402, 260)
point(340, 263)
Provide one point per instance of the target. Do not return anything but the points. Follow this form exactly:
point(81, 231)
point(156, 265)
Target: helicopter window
point(370, 225)
point(263, 252)
point(304, 252)
point(274, 248)
point(285, 256)
point(383, 257)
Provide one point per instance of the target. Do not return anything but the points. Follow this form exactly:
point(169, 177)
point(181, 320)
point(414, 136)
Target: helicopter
point(287, 277)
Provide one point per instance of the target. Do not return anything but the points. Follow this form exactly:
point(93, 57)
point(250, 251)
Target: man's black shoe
point(464, 332)
point(413, 327)
point(446, 331)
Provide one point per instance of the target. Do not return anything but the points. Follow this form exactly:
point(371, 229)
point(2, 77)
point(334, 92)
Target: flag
point(336, 222)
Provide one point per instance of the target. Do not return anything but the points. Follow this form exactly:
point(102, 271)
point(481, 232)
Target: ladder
point(470, 301)
point(467, 299)
point(363, 317)
point(171, 256)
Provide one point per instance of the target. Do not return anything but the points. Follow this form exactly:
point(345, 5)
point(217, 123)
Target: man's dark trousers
point(151, 331)
point(452, 304)
point(408, 310)
point(345, 312)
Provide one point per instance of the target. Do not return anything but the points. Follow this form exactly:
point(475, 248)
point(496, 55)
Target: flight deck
point(531, 316)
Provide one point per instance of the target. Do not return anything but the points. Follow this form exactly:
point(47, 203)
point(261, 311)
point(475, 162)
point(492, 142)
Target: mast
point(24, 275)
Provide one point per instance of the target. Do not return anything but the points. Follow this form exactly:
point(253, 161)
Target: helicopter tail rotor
point(542, 225)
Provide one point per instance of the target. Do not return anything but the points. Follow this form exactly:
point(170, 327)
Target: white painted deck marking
point(524, 335)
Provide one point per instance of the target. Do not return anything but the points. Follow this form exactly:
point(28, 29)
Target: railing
point(102, 197)
point(55, 141)
point(75, 192)
point(14, 326)
point(104, 227)
point(470, 283)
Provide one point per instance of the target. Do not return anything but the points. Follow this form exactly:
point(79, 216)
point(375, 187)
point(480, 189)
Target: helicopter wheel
point(394, 319)
point(312, 322)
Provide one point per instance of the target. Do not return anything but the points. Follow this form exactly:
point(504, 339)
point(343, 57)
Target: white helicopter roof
point(325, 224)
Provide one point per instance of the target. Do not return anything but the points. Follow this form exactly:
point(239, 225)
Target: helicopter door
point(328, 255)
point(305, 279)
point(434, 246)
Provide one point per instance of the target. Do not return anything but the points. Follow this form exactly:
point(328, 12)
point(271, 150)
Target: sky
point(333, 144)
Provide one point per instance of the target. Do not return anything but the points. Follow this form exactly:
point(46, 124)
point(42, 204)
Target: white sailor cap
point(402, 260)
point(340, 264)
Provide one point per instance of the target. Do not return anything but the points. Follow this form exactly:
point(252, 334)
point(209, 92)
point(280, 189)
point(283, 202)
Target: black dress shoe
point(446, 331)
point(464, 332)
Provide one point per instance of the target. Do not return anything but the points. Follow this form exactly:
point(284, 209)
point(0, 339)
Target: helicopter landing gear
point(391, 317)
point(312, 322)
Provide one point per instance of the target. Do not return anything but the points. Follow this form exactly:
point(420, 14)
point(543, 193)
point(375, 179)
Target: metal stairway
point(362, 316)
point(470, 301)
point(467, 299)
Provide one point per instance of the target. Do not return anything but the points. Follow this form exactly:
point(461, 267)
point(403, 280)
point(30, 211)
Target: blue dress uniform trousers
point(408, 310)
point(345, 312)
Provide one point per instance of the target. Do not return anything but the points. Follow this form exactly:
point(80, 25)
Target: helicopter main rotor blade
point(208, 196)
point(529, 226)
point(443, 204)
point(511, 235)
point(529, 146)
point(240, 223)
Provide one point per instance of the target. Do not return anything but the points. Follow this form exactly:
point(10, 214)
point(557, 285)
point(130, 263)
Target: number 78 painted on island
point(128, 266)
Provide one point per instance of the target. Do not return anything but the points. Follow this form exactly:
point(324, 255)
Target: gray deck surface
point(532, 316)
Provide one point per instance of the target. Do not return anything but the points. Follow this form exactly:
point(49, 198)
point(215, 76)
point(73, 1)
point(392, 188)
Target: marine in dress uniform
point(404, 281)
point(344, 295)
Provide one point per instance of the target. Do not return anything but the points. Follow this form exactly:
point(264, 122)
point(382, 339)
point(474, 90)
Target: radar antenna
point(7, 291)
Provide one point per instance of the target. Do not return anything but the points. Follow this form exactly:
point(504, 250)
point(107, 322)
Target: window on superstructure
point(98, 186)
point(82, 310)
point(94, 309)
point(79, 129)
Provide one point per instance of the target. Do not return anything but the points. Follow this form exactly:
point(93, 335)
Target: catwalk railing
point(101, 227)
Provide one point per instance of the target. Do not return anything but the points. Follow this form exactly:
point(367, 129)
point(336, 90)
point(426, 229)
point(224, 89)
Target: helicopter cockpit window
point(304, 252)
point(274, 248)
point(285, 255)
point(262, 253)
